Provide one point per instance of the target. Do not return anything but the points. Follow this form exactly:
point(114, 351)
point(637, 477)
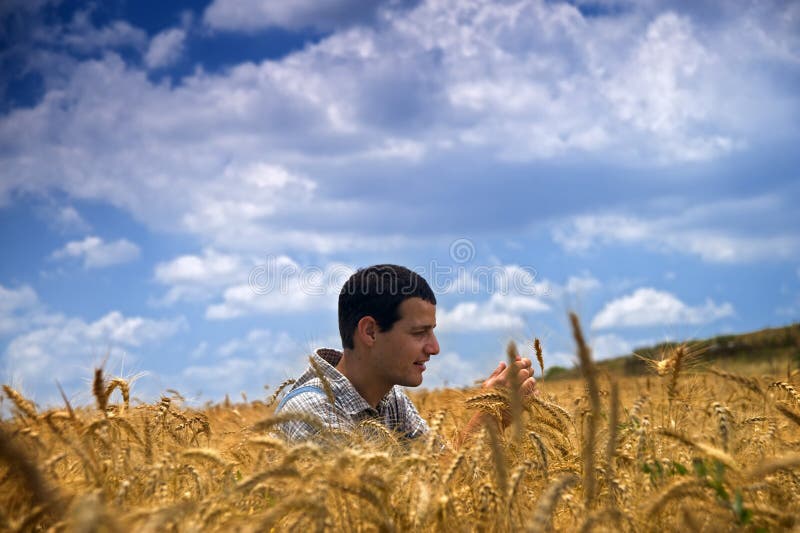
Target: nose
point(432, 347)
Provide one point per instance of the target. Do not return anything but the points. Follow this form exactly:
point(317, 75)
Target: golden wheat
point(713, 451)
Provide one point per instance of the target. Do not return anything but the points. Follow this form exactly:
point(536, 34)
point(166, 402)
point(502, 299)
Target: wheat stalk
point(542, 514)
point(590, 376)
point(278, 391)
point(707, 449)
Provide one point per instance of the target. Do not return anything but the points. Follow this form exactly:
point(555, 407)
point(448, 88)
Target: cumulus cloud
point(74, 347)
point(650, 307)
point(261, 355)
point(15, 305)
point(165, 48)
point(22, 310)
point(211, 267)
point(489, 279)
point(99, 254)
point(525, 80)
point(450, 369)
point(260, 343)
point(581, 284)
point(501, 312)
point(197, 277)
point(280, 285)
point(694, 231)
point(610, 345)
point(513, 292)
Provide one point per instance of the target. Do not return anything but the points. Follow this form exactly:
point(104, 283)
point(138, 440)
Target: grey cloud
point(323, 15)
point(436, 98)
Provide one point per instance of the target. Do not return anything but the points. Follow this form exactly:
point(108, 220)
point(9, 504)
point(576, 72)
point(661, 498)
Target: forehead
point(416, 311)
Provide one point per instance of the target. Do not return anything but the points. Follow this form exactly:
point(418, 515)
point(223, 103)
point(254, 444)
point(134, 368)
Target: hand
point(503, 377)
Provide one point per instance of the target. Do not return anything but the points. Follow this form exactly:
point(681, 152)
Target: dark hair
point(378, 291)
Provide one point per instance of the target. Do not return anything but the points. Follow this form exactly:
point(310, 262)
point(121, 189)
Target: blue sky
point(185, 185)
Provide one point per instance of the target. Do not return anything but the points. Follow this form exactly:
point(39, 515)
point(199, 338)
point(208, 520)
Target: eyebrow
point(423, 327)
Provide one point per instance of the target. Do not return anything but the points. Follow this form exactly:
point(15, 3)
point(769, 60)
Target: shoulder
point(308, 394)
point(301, 407)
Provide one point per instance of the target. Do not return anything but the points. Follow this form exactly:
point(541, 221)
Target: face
point(402, 352)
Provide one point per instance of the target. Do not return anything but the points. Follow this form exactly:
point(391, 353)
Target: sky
point(184, 186)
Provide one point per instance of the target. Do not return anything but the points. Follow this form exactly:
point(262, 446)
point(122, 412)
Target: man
point(387, 314)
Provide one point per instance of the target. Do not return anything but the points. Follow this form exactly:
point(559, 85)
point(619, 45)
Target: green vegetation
point(764, 351)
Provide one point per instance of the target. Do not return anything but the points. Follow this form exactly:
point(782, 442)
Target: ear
point(366, 330)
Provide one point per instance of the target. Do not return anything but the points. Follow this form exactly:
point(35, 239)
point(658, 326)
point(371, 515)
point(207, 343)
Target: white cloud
point(199, 277)
point(450, 369)
point(513, 290)
point(581, 285)
point(69, 216)
point(482, 279)
point(13, 299)
point(210, 268)
point(165, 48)
point(199, 351)
point(259, 343)
point(74, 347)
point(282, 286)
point(261, 355)
point(15, 305)
point(650, 307)
point(503, 312)
point(83, 36)
point(559, 358)
point(98, 254)
point(694, 231)
point(21, 310)
point(131, 331)
point(610, 345)
point(441, 82)
point(657, 89)
point(64, 218)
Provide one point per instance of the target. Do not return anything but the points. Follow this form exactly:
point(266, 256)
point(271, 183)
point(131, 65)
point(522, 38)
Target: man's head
point(378, 291)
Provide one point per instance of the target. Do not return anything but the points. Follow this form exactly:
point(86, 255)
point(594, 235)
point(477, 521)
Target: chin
point(412, 382)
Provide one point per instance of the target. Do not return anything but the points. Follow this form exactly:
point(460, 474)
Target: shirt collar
point(354, 403)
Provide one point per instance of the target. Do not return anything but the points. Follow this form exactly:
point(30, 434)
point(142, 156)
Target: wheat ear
point(537, 347)
point(24, 405)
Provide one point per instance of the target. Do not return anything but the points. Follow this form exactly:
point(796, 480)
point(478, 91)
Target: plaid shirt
point(395, 410)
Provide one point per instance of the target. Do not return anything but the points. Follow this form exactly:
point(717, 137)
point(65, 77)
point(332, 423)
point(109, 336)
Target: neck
point(355, 367)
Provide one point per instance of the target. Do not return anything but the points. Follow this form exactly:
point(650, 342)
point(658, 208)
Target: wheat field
point(688, 447)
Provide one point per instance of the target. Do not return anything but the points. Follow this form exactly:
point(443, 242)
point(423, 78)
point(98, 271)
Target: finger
point(495, 376)
point(529, 387)
point(523, 363)
point(498, 370)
